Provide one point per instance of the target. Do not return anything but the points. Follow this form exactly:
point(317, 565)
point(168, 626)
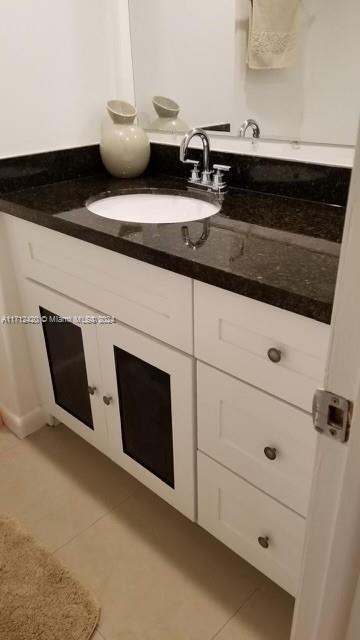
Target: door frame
point(331, 562)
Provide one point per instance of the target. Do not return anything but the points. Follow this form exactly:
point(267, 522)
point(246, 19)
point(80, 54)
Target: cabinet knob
point(274, 355)
point(91, 390)
point(271, 453)
point(264, 542)
point(107, 400)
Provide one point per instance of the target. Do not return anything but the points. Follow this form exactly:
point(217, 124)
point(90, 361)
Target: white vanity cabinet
point(129, 388)
point(122, 390)
point(125, 393)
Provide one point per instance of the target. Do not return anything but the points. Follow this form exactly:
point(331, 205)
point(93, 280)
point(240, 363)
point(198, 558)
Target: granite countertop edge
point(264, 292)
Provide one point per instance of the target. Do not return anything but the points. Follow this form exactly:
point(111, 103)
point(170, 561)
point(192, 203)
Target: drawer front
point(235, 333)
point(238, 514)
point(148, 298)
point(238, 422)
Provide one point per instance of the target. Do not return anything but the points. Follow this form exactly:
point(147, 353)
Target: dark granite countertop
point(278, 250)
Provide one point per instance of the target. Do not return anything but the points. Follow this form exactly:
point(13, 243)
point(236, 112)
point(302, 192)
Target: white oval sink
point(155, 208)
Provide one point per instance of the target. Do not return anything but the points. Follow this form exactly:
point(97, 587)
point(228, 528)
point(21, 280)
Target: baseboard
point(23, 426)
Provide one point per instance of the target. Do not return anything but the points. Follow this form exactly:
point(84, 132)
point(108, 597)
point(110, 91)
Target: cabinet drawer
point(148, 298)
point(238, 422)
point(235, 333)
point(238, 514)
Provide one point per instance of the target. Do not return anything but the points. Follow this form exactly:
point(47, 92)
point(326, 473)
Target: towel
point(273, 34)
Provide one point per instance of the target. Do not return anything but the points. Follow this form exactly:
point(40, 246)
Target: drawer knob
point(264, 542)
point(92, 390)
point(274, 355)
point(107, 400)
point(271, 453)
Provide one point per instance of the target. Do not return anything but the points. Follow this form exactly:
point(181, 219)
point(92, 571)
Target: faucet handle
point(219, 183)
point(220, 168)
point(195, 174)
point(194, 162)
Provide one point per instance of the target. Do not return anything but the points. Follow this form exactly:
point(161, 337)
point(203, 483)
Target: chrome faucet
point(250, 123)
point(206, 173)
point(205, 180)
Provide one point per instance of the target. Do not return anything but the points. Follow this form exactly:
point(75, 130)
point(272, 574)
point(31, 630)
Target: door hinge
point(332, 415)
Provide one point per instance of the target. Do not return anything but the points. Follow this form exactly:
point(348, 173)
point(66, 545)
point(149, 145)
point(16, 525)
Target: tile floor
point(157, 575)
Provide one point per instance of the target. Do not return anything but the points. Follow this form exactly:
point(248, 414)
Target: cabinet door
point(66, 362)
point(149, 393)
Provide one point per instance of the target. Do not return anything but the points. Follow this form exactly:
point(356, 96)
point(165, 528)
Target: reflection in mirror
point(184, 51)
point(193, 67)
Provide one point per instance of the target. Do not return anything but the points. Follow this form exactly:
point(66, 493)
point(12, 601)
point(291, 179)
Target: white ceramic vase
point(124, 146)
point(168, 111)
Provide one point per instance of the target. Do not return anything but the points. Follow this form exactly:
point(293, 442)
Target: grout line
point(236, 612)
point(103, 515)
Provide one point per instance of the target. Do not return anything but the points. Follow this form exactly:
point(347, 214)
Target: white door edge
point(331, 563)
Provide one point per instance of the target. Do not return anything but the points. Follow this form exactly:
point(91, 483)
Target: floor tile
point(7, 439)
point(266, 616)
point(58, 485)
point(157, 575)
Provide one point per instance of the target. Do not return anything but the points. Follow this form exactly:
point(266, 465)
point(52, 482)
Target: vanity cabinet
point(129, 388)
point(127, 394)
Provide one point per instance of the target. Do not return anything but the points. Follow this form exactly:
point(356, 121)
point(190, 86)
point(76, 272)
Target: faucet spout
point(206, 146)
point(254, 126)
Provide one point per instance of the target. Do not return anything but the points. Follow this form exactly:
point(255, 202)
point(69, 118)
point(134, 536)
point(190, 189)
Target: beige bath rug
point(39, 599)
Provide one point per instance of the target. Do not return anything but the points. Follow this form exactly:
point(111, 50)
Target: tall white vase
point(124, 146)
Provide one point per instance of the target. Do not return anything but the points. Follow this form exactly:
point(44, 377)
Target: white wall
point(184, 49)
point(57, 69)
point(318, 100)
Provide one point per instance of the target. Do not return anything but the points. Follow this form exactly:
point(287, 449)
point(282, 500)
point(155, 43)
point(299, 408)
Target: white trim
point(23, 426)
point(332, 553)
point(282, 150)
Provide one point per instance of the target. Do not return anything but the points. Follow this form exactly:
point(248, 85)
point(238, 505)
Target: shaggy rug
point(39, 599)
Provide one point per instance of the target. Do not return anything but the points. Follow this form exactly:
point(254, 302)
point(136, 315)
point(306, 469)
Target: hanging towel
point(273, 34)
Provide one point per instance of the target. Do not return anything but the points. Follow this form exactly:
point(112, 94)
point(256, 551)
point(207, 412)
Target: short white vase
point(124, 146)
point(168, 111)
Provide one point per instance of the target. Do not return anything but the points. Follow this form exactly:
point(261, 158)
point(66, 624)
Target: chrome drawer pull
point(264, 542)
point(107, 400)
point(274, 355)
point(271, 453)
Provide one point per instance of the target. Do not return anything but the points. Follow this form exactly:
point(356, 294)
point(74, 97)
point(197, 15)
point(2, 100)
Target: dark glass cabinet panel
point(65, 351)
point(145, 411)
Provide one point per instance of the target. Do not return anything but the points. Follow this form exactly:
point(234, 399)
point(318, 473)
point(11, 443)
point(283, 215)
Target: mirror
point(190, 69)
